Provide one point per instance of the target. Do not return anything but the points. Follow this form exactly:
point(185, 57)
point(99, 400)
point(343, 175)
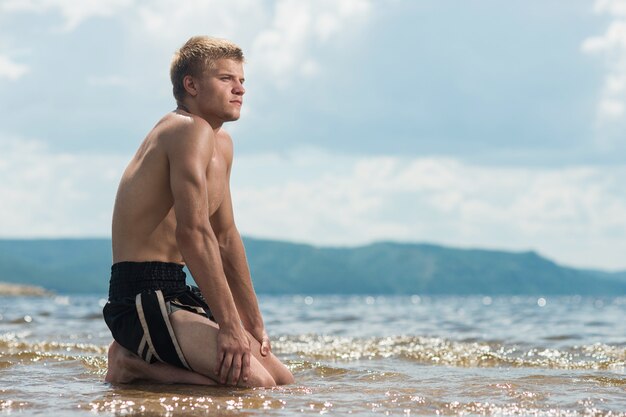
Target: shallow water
point(425, 356)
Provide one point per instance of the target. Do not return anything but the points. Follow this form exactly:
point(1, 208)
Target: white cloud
point(53, 194)
point(611, 118)
point(280, 36)
point(616, 84)
point(615, 7)
point(614, 38)
point(12, 70)
point(283, 39)
point(576, 215)
point(174, 22)
point(611, 108)
point(284, 46)
point(73, 12)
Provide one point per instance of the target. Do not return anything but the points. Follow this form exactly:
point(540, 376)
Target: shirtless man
point(174, 208)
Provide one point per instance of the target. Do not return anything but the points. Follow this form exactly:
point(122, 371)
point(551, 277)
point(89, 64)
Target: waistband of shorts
point(130, 278)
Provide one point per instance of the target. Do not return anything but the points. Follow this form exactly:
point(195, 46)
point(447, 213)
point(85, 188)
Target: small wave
point(92, 316)
point(562, 337)
point(438, 351)
point(11, 342)
point(20, 320)
point(14, 351)
point(12, 358)
point(597, 323)
point(95, 364)
point(605, 380)
point(310, 349)
point(11, 405)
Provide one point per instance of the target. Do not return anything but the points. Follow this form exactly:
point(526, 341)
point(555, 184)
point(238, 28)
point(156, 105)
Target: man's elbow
point(227, 237)
point(188, 236)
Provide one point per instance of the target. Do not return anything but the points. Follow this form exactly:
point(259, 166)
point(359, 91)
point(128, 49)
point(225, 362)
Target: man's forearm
point(202, 256)
point(238, 276)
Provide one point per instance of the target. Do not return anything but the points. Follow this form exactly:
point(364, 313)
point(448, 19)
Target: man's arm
point(235, 263)
point(189, 153)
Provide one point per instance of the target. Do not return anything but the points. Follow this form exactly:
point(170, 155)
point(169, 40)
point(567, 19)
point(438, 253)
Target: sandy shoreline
point(11, 289)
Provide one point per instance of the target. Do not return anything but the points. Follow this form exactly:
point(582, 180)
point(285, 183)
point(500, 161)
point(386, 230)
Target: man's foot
point(125, 367)
point(122, 365)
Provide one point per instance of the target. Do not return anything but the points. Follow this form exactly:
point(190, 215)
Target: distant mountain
point(83, 265)
point(62, 265)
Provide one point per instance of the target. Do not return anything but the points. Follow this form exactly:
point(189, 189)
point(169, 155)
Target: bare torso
point(144, 222)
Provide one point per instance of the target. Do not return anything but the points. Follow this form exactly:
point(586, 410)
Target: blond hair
point(196, 55)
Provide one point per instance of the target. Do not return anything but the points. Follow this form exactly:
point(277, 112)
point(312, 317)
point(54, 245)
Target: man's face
point(220, 91)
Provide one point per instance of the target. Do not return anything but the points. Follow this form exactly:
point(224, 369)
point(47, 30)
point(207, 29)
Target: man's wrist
point(258, 333)
point(255, 326)
point(230, 326)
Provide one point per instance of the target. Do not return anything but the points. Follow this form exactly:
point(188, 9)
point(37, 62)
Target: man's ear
point(190, 85)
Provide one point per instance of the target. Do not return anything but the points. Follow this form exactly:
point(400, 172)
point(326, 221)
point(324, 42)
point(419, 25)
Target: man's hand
point(233, 355)
point(261, 335)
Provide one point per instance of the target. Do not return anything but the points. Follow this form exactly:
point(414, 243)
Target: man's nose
point(239, 89)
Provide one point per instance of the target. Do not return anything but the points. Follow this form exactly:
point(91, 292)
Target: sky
point(483, 124)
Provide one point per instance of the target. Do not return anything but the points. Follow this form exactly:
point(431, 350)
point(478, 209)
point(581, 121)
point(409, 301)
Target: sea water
point(351, 355)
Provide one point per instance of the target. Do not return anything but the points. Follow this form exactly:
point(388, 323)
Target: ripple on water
point(562, 337)
point(438, 351)
point(606, 380)
point(12, 343)
point(11, 405)
point(597, 323)
point(315, 348)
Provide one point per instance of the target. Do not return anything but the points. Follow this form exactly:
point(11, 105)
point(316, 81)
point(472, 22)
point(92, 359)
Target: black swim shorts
point(142, 295)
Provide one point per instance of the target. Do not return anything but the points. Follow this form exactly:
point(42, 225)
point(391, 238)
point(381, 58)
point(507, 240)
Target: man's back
point(144, 223)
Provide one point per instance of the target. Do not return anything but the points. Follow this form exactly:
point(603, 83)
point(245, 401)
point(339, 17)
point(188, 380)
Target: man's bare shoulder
point(182, 129)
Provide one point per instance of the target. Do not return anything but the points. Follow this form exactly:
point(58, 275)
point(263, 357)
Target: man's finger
point(265, 347)
point(228, 360)
point(235, 370)
point(219, 360)
point(245, 370)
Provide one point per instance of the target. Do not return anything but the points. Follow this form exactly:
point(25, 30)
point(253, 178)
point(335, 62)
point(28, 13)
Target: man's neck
point(183, 107)
point(216, 125)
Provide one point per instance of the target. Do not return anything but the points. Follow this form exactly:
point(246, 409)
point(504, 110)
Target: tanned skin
point(174, 205)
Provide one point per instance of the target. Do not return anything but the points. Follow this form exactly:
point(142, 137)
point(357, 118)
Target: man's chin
point(232, 117)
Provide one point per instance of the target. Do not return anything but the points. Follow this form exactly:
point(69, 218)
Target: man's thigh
point(197, 337)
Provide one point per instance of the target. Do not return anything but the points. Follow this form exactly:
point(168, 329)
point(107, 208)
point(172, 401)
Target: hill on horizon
point(278, 267)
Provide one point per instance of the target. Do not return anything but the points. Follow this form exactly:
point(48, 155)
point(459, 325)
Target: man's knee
point(284, 377)
point(272, 376)
point(263, 380)
point(259, 376)
point(281, 374)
